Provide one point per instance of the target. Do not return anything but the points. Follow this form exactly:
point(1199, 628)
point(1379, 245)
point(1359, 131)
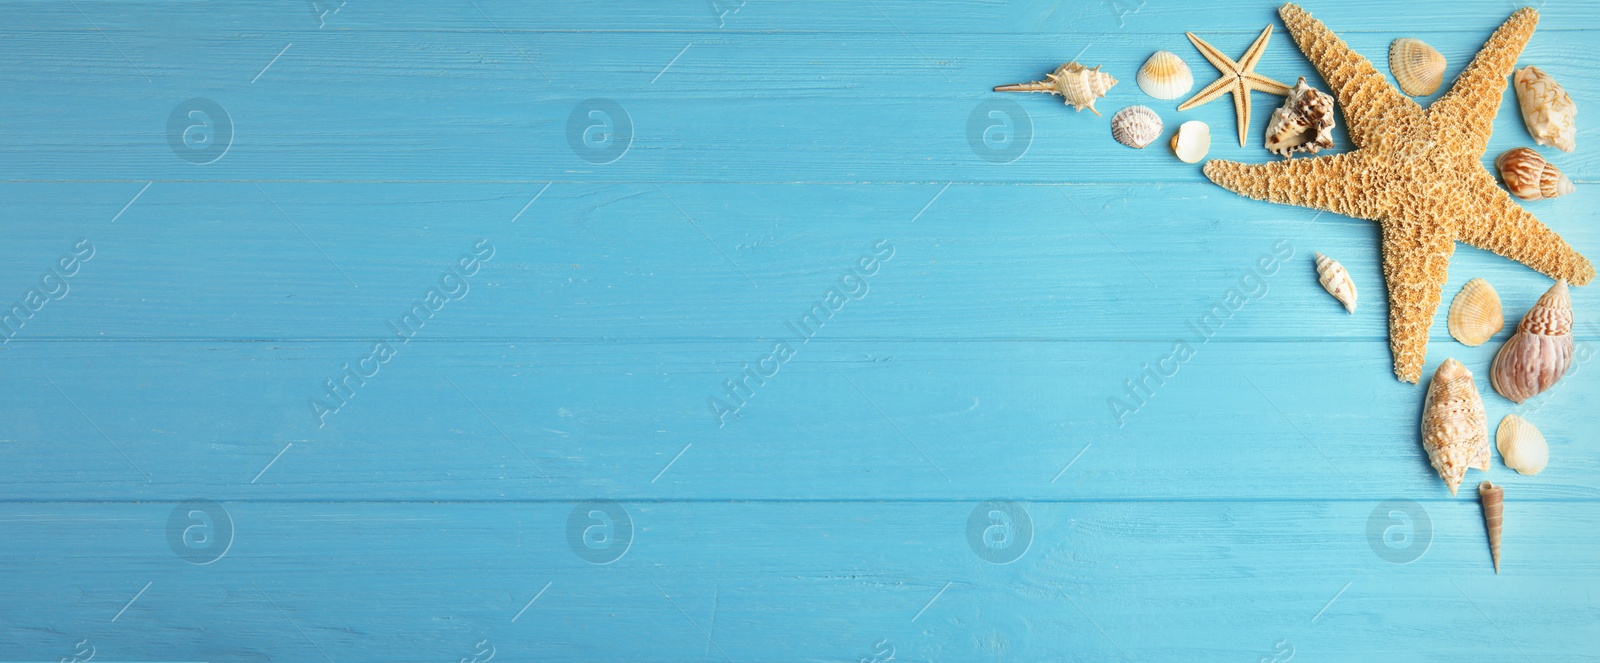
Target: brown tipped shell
point(1530, 177)
point(1191, 141)
point(1455, 431)
point(1535, 357)
point(1475, 314)
point(1417, 67)
point(1165, 76)
point(1136, 126)
point(1547, 109)
point(1080, 86)
point(1493, 499)
point(1303, 124)
point(1336, 281)
point(1522, 446)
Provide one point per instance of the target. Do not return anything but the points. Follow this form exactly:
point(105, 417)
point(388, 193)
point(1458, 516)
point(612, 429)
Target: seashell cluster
point(1547, 110)
point(1136, 126)
point(1522, 447)
point(1336, 281)
point(1165, 76)
point(1530, 177)
point(1080, 86)
point(1535, 357)
point(1417, 67)
point(1475, 314)
point(1303, 124)
point(1191, 141)
point(1455, 431)
point(1493, 499)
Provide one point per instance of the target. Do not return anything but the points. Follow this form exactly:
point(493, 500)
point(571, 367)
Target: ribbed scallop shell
point(1535, 357)
point(1136, 126)
point(1191, 141)
point(1417, 67)
point(1530, 177)
point(1336, 281)
point(1475, 314)
point(1165, 76)
point(1547, 109)
point(1522, 446)
point(1455, 431)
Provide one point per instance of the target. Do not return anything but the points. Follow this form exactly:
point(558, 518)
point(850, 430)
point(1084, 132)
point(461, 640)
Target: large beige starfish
point(1237, 77)
point(1417, 172)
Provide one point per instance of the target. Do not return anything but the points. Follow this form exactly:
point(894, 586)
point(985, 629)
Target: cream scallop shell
point(1165, 76)
point(1522, 447)
point(1136, 126)
point(1417, 67)
point(1475, 314)
point(1191, 141)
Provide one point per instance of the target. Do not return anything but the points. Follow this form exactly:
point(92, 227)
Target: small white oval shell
point(1165, 76)
point(1522, 446)
point(1136, 126)
point(1192, 141)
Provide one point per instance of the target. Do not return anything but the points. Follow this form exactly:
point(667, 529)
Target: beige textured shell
point(1336, 281)
point(1535, 357)
point(1303, 124)
point(1417, 67)
point(1530, 177)
point(1475, 313)
point(1455, 431)
point(1136, 126)
point(1522, 446)
point(1165, 76)
point(1547, 109)
point(1494, 508)
point(1191, 141)
point(1080, 86)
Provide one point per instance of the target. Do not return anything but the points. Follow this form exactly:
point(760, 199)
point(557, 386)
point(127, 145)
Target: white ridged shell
point(1475, 314)
point(1547, 109)
point(1535, 357)
point(1191, 141)
point(1522, 446)
point(1165, 76)
point(1136, 126)
point(1417, 67)
point(1336, 281)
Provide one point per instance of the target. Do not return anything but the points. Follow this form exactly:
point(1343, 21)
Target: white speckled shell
point(1535, 357)
point(1455, 431)
point(1136, 126)
point(1547, 109)
point(1475, 314)
point(1165, 76)
point(1191, 141)
point(1417, 67)
point(1336, 281)
point(1522, 446)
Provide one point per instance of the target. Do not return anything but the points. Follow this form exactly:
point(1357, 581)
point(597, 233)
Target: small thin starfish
point(1238, 78)
point(1417, 172)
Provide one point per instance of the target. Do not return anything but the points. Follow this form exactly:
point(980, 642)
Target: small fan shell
point(1136, 126)
point(1417, 67)
point(1475, 313)
point(1522, 446)
point(1165, 76)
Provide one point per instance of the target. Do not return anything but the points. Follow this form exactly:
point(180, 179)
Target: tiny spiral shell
point(1336, 281)
point(1136, 126)
point(1530, 177)
point(1535, 357)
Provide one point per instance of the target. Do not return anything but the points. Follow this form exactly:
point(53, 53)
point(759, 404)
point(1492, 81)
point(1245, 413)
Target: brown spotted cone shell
point(1535, 357)
point(1530, 177)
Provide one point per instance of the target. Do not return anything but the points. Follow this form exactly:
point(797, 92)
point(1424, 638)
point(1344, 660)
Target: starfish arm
point(1416, 258)
point(1332, 183)
point(1259, 46)
point(1368, 100)
point(1267, 85)
point(1216, 89)
point(1504, 227)
point(1241, 109)
point(1473, 100)
point(1223, 63)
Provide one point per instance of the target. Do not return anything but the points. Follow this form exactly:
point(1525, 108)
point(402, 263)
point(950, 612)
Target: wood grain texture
point(169, 490)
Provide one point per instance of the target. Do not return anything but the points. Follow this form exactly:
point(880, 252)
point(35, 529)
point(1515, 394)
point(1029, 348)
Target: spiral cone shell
point(1535, 357)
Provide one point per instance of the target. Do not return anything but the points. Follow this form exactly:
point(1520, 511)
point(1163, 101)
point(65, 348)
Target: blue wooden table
point(648, 331)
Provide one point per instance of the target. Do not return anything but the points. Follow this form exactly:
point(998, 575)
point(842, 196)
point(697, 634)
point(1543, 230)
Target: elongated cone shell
point(1522, 446)
point(1080, 86)
point(1494, 505)
point(1475, 314)
point(1530, 177)
point(1416, 66)
point(1455, 431)
point(1547, 109)
point(1336, 281)
point(1535, 357)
